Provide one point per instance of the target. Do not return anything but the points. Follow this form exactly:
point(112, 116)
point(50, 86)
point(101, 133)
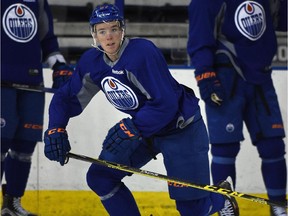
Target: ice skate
point(230, 207)
point(12, 207)
point(278, 211)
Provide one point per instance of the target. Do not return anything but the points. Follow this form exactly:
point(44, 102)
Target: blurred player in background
point(165, 117)
point(231, 45)
point(27, 40)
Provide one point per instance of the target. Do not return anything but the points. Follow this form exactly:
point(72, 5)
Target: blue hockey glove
point(121, 141)
point(61, 73)
point(56, 144)
point(211, 90)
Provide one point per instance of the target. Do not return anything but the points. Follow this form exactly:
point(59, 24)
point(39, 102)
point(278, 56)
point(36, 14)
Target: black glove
point(56, 144)
point(210, 87)
point(61, 73)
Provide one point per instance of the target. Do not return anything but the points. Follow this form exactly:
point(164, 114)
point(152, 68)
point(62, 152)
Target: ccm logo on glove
point(125, 130)
point(58, 130)
point(62, 73)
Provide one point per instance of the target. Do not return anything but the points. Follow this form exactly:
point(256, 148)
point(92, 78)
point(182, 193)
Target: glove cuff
point(60, 130)
point(57, 65)
point(51, 60)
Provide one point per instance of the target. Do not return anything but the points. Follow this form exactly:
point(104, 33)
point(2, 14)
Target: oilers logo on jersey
point(119, 95)
point(230, 127)
point(250, 20)
point(19, 23)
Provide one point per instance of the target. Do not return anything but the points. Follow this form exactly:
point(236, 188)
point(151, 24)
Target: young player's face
point(109, 35)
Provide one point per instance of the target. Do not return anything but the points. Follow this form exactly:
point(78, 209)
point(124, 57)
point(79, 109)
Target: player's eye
point(115, 30)
point(102, 32)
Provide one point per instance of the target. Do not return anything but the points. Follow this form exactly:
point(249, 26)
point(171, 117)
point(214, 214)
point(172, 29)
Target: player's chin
point(111, 50)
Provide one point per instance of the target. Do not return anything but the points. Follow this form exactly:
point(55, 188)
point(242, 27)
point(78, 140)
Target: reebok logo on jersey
point(19, 23)
point(117, 72)
point(250, 20)
point(118, 94)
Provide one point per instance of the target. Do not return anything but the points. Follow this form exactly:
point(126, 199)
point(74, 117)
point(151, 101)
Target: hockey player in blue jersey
point(165, 118)
point(231, 45)
point(27, 40)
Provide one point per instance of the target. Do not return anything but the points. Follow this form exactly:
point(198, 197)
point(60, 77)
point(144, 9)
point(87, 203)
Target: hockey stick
point(28, 87)
point(211, 188)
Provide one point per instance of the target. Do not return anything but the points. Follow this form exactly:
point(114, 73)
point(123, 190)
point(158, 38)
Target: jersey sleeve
point(282, 17)
point(71, 99)
point(48, 39)
point(202, 32)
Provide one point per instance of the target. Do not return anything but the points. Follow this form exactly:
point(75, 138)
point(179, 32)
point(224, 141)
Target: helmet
point(106, 13)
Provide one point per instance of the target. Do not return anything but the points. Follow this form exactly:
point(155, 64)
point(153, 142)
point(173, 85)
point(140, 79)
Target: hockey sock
point(205, 206)
point(223, 161)
point(221, 171)
point(16, 172)
point(275, 178)
point(273, 167)
point(121, 203)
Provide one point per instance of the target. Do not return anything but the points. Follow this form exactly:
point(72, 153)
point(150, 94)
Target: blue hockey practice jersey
point(27, 39)
point(139, 83)
point(243, 30)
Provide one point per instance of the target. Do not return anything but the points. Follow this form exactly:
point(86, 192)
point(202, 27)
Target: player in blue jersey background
point(232, 45)
point(27, 41)
point(164, 118)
